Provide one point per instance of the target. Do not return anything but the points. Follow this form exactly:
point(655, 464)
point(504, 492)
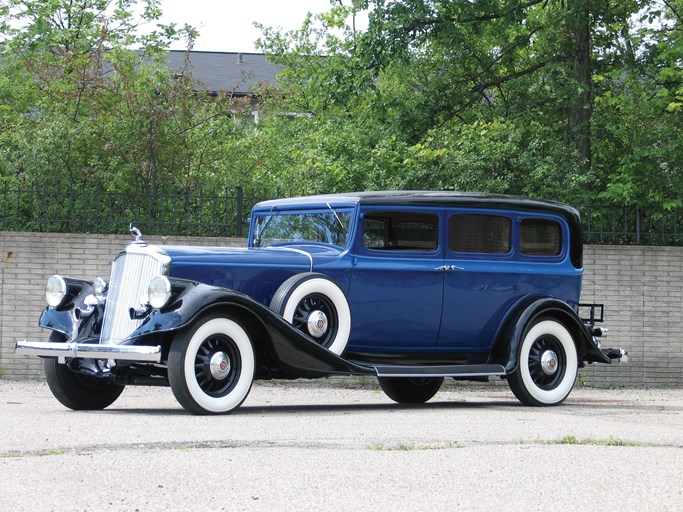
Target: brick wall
point(641, 287)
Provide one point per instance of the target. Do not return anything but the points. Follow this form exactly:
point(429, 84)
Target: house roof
point(232, 72)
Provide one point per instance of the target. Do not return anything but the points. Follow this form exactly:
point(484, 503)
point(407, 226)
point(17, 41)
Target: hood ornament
point(136, 233)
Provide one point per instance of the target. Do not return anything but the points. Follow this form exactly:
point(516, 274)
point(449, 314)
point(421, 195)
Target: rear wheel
point(211, 366)
point(547, 365)
point(77, 391)
point(410, 390)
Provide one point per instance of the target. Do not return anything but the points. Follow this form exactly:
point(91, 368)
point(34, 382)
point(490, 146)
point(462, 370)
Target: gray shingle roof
point(234, 72)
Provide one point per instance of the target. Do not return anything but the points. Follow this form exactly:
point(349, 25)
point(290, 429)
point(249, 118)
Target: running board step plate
point(464, 370)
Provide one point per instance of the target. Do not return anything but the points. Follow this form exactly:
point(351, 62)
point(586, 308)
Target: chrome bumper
point(142, 353)
point(616, 354)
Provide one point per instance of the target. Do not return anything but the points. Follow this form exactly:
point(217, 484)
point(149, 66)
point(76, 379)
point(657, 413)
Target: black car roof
point(430, 198)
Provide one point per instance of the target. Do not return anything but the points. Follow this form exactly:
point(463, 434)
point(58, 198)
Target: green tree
point(638, 114)
point(548, 98)
point(87, 101)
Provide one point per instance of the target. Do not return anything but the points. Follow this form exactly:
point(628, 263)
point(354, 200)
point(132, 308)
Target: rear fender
point(511, 334)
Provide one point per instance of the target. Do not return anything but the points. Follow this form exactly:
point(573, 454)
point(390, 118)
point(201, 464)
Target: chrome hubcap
point(317, 324)
point(219, 365)
point(549, 362)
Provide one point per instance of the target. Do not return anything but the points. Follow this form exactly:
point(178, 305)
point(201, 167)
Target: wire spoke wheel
point(547, 362)
point(77, 391)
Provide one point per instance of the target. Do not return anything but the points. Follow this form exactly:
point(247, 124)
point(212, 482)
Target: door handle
point(448, 268)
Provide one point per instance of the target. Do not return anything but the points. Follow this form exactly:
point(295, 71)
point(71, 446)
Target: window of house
point(476, 233)
point(540, 237)
point(401, 231)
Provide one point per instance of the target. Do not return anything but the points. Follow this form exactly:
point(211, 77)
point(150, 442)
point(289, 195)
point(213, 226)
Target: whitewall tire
point(211, 366)
point(315, 305)
point(547, 365)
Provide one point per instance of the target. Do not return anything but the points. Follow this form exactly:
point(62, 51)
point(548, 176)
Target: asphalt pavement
point(343, 445)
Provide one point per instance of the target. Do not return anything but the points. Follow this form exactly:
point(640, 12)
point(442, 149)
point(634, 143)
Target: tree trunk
point(581, 108)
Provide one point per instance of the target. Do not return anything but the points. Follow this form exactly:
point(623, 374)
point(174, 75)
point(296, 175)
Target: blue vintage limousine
point(410, 287)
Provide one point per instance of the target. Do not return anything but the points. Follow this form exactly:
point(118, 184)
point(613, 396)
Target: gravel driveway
point(340, 446)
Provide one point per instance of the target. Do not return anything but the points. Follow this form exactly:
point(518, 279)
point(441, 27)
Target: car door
point(396, 282)
point(480, 283)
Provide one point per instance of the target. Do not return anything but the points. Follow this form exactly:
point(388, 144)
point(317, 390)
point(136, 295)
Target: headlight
point(55, 291)
point(159, 291)
point(99, 286)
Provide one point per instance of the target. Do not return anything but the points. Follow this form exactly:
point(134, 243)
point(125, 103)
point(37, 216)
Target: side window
point(401, 231)
point(375, 233)
point(540, 237)
point(475, 233)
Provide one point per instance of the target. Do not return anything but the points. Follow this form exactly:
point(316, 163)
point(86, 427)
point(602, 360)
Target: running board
point(459, 370)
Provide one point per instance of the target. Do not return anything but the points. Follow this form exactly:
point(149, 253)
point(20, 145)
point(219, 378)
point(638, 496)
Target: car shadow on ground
point(271, 409)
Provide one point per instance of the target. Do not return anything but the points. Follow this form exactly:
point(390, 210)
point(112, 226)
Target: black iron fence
point(631, 226)
point(225, 213)
point(196, 213)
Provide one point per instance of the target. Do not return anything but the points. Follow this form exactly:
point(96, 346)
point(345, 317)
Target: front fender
point(512, 332)
point(67, 318)
point(188, 300)
point(289, 348)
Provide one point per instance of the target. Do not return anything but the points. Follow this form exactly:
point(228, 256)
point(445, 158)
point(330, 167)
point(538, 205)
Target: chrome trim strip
point(141, 353)
point(469, 370)
point(298, 251)
point(444, 374)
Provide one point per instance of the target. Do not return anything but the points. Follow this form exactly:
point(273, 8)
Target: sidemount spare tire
point(315, 305)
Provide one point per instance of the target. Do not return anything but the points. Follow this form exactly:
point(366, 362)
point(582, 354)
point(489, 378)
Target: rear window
point(401, 231)
point(540, 237)
point(488, 234)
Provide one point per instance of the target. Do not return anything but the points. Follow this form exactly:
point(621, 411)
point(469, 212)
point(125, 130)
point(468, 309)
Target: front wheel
point(410, 390)
point(77, 391)
point(547, 365)
point(211, 366)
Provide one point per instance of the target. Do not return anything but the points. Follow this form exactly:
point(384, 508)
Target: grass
point(2, 371)
point(51, 451)
point(407, 447)
point(604, 441)
point(42, 453)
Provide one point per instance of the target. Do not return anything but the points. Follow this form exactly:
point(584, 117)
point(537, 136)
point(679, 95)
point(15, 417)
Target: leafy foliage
point(571, 101)
point(87, 102)
point(563, 100)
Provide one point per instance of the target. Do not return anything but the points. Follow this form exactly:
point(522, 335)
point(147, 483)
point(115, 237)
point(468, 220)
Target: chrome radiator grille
point(131, 273)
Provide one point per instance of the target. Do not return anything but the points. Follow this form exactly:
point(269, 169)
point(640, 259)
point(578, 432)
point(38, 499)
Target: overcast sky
point(227, 25)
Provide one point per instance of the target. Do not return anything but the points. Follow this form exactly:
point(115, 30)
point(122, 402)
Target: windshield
point(324, 226)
